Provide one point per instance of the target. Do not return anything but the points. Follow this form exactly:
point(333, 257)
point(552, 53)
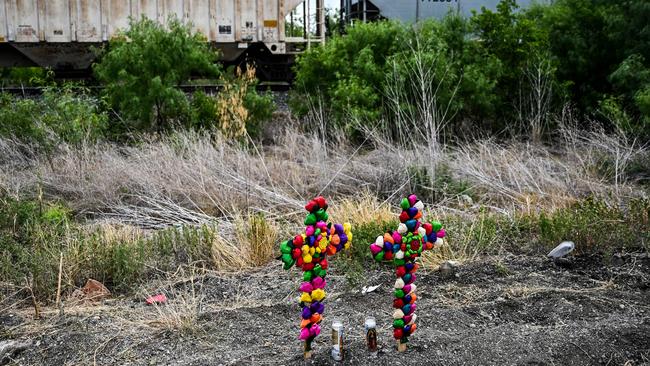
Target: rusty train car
point(60, 34)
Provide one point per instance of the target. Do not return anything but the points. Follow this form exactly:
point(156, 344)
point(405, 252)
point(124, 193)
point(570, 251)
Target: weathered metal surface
point(57, 24)
point(232, 25)
point(409, 11)
point(3, 24)
point(24, 14)
point(59, 55)
point(221, 21)
point(88, 21)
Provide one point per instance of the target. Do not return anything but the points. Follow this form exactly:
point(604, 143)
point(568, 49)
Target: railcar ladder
point(319, 34)
point(319, 22)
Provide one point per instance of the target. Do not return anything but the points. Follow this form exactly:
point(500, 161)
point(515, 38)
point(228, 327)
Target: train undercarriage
point(74, 60)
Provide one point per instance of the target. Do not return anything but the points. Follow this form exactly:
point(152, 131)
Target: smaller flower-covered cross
point(403, 247)
point(309, 251)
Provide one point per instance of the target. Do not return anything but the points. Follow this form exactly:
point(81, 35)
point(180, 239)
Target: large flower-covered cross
point(403, 247)
point(309, 251)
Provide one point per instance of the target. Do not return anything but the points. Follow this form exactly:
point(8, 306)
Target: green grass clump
point(595, 225)
point(435, 190)
point(34, 234)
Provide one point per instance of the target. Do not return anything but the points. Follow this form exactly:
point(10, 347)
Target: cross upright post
point(309, 251)
point(402, 247)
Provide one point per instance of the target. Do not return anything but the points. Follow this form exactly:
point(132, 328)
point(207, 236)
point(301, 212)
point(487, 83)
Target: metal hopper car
point(60, 33)
point(414, 10)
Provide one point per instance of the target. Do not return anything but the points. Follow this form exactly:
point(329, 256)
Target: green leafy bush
point(62, 114)
point(34, 233)
point(257, 109)
point(142, 68)
point(597, 226)
point(349, 71)
point(470, 69)
point(203, 111)
point(260, 108)
point(594, 224)
point(25, 76)
point(602, 50)
point(507, 69)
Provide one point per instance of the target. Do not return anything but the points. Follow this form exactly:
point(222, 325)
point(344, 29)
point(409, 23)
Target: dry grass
point(467, 236)
point(231, 112)
point(361, 210)
point(198, 180)
point(258, 237)
point(521, 173)
point(184, 306)
point(190, 178)
point(534, 176)
point(226, 255)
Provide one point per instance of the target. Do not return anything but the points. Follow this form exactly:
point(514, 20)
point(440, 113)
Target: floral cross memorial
point(309, 252)
point(403, 247)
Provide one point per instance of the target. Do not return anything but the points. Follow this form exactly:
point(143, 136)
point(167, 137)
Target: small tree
point(143, 67)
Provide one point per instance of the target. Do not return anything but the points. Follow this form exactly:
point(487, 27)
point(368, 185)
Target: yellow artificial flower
point(318, 294)
point(305, 297)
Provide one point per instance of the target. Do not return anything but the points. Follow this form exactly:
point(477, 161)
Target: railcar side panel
point(172, 8)
point(117, 16)
point(270, 21)
point(88, 21)
point(226, 23)
point(25, 20)
point(4, 31)
point(59, 33)
point(213, 21)
point(57, 21)
point(199, 15)
point(148, 8)
point(221, 21)
point(248, 20)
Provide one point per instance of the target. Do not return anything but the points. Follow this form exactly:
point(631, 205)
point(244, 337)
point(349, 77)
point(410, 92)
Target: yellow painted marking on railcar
point(270, 23)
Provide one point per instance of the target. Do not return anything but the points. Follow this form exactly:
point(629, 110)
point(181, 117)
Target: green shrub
point(62, 114)
point(602, 49)
point(596, 226)
point(366, 234)
point(464, 69)
point(435, 190)
point(240, 109)
point(25, 76)
point(491, 70)
point(349, 70)
point(593, 224)
point(19, 118)
point(33, 234)
point(358, 260)
point(24, 224)
point(236, 110)
point(204, 111)
point(260, 108)
point(142, 68)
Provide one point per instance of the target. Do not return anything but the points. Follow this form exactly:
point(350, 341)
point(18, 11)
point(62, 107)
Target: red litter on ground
point(156, 299)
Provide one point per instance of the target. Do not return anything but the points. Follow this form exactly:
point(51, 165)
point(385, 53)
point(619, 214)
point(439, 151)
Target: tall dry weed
point(362, 210)
point(196, 179)
point(231, 111)
point(181, 312)
point(258, 237)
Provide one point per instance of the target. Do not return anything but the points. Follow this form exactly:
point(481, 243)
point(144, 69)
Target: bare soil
point(517, 310)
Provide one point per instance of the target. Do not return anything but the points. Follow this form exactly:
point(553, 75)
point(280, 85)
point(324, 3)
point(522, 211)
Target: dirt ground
point(506, 311)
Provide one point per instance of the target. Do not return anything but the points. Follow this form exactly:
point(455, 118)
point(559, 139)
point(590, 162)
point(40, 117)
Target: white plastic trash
point(562, 250)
